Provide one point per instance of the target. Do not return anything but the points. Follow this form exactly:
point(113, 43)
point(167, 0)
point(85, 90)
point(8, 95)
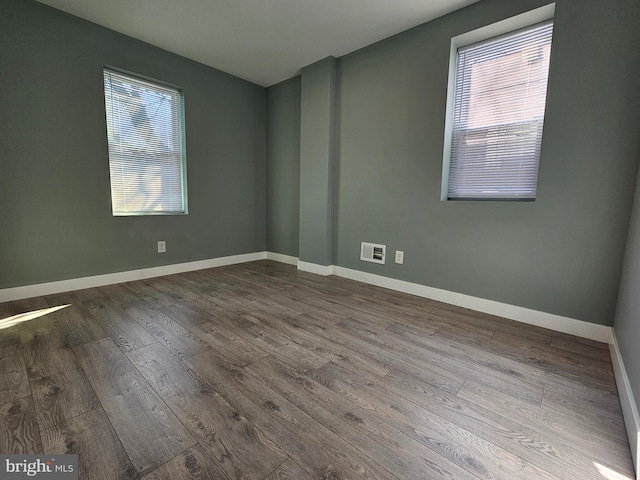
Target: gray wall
point(560, 254)
point(55, 220)
point(283, 167)
point(627, 322)
point(318, 159)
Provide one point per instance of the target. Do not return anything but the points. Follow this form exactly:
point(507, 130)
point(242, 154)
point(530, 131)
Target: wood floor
point(258, 371)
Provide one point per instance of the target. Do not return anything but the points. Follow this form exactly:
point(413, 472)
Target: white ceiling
point(263, 41)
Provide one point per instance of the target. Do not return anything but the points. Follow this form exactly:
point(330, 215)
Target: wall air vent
point(372, 252)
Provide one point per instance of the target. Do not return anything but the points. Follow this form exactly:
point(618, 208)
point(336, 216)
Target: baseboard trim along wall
point(279, 257)
point(558, 323)
point(551, 321)
point(323, 270)
point(37, 290)
point(627, 402)
point(579, 328)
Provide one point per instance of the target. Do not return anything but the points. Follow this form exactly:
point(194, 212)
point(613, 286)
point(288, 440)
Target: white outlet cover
point(399, 256)
point(162, 247)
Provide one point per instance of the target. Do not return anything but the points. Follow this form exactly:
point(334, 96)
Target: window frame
point(486, 33)
point(181, 136)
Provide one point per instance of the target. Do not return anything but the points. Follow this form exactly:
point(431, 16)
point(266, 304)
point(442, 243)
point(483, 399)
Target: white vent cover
point(372, 252)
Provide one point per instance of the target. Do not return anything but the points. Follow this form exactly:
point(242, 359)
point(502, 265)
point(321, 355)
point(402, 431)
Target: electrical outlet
point(399, 256)
point(162, 246)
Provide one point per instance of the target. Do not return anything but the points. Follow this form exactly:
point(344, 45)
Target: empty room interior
point(320, 240)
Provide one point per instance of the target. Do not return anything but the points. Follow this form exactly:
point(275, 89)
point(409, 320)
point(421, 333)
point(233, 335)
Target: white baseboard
point(627, 402)
point(323, 270)
point(551, 321)
point(279, 257)
point(542, 319)
point(547, 320)
point(49, 288)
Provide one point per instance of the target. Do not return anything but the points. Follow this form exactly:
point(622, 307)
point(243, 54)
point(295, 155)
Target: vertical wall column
point(317, 162)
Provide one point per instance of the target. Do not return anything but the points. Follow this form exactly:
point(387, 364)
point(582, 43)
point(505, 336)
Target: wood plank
point(433, 374)
point(8, 334)
point(345, 311)
point(75, 323)
point(248, 327)
point(147, 293)
point(280, 346)
point(296, 303)
point(192, 464)
point(607, 447)
point(181, 294)
point(534, 371)
point(456, 345)
point(248, 279)
point(59, 386)
point(148, 430)
point(123, 330)
point(320, 452)
point(405, 458)
point(29, 304)
point(231, 440)
point(227, 343)
point(289, 470)
point(544, 451)
point(6, 310)
point(92, 438)
point(119, 294)
point(295, 329)
point(491, 370)
point(19, 432)
point(88, 293)
point(468, 334)
point(447, 359)
point(175, 338)
point(452, 314)
point(14, 383)
point(570, 364)
point(455, 440)
point(211, 291)
point(588, 348)
point(602, 419)
point(371, 308)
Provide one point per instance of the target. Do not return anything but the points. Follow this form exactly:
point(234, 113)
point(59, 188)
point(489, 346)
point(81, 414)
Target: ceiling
point(263, 41)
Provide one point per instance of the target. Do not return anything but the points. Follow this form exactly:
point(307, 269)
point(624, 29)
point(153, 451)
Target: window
point(146, 146)
point(496, 109)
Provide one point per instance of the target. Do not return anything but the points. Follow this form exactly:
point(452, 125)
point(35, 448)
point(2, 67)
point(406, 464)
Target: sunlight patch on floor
point(26, 316)
point(608, 474)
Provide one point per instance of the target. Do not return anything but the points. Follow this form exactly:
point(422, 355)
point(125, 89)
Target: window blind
point(144, 130)
point(499, 104)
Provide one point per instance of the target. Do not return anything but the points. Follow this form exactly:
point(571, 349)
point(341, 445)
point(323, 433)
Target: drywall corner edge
point(323, 270)
point(279, 257)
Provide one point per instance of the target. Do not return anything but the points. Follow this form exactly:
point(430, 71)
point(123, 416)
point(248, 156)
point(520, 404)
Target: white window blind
point(498, 113)
point(146, 161)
